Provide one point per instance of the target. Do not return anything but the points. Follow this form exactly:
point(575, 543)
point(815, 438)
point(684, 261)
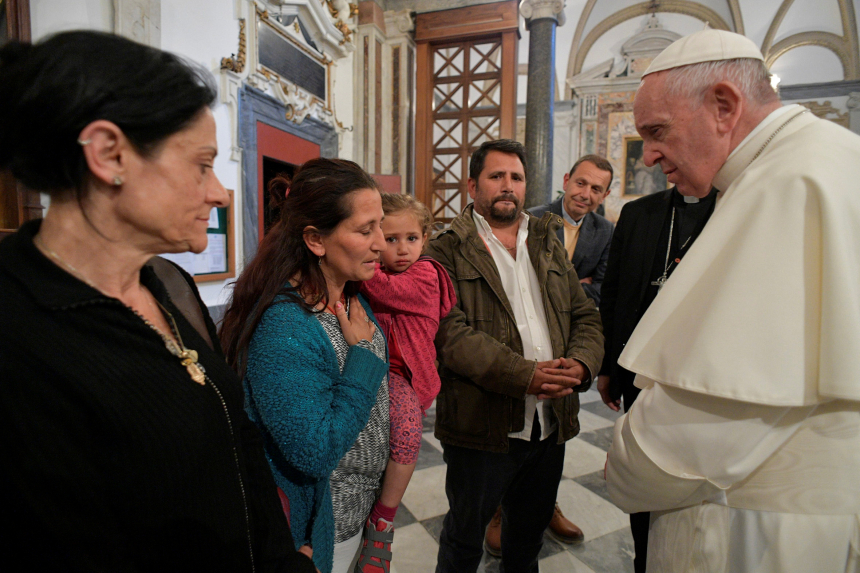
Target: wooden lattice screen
point(466, 112)
point(466, 95)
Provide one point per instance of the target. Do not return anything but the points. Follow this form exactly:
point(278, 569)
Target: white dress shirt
point(524, 293)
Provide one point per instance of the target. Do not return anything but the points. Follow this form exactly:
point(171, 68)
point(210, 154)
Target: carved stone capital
point(537, 9)
point(853, 103)
point(402, 21)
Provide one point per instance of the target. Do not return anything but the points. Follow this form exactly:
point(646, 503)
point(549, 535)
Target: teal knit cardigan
point(309, 412)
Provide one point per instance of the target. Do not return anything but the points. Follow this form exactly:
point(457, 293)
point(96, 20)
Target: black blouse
point(113, 458)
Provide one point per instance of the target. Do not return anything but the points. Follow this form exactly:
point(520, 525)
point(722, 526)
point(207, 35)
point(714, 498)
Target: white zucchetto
point(704, 46)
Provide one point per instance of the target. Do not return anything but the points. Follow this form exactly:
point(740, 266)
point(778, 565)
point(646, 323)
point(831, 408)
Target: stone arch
point(832, 42)
point(845, 46)
point(685, 7)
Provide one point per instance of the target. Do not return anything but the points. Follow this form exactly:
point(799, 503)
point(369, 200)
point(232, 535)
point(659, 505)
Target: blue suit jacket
point(592, 247)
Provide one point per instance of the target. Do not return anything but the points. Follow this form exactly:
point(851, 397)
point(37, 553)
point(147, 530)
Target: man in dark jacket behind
point(585, 234)
point(521, 339)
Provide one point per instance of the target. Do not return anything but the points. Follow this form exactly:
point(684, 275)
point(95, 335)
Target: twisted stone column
point(542, 17)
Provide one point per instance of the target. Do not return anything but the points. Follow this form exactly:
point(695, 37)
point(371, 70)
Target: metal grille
point(467, 79)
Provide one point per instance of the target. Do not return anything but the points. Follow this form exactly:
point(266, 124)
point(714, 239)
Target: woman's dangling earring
point(320, 261)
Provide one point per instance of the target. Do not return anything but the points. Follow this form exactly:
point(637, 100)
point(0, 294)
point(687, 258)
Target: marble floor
point(582, 495)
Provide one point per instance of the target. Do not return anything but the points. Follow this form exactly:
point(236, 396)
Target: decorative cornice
point(824, 89)
point(403, 21)
point(826, 111)
point(345, 30)
point(236, 63)
point(326, 21)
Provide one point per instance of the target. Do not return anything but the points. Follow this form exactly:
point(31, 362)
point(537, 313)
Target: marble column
point(542, 17)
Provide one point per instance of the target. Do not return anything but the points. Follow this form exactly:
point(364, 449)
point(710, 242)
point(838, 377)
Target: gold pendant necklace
point(186, 356)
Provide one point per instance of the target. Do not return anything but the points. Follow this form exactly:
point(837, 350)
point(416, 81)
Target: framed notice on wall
point(218, 261)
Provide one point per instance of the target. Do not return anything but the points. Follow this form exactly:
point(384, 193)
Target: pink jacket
point(409, 306)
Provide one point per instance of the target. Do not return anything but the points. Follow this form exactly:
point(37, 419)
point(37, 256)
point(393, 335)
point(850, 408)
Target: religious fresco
point(589, 131)
point(618, 126)
point(636, 178)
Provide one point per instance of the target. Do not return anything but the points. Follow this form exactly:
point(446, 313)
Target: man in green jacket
point(521, 341)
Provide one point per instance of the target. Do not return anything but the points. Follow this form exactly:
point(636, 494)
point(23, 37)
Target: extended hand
point(556, 378)
point(603, 388)
point(586, 281)
point(357, 325)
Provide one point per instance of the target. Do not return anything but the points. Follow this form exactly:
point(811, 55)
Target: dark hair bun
point(12, 52)
point(278, 189)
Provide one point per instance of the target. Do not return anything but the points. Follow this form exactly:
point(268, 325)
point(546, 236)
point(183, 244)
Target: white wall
point(50, 16)
point(206, 31)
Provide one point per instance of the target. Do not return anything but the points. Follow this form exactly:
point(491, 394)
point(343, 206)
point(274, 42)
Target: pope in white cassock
point(745, 441)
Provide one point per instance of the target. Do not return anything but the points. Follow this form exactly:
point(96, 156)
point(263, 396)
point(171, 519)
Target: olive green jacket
point(484, 375)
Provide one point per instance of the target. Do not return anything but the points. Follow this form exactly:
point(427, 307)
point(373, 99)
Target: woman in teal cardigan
point(313, 359)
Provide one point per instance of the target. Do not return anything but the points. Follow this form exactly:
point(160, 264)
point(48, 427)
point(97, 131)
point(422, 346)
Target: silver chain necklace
point(772, 135)
point(666, 265)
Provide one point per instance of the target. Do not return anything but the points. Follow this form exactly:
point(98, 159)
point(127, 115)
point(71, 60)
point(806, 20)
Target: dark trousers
point(525, 481)
point(639, 522)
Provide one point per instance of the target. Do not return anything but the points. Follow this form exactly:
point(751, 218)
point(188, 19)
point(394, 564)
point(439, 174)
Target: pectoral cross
point(659, 282)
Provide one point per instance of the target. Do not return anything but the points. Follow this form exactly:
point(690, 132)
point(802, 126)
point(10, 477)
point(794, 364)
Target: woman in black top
point(124, 441)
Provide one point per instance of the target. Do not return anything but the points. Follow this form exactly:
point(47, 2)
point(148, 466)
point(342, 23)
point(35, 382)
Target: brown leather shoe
point(493, 538)
point(562, 529)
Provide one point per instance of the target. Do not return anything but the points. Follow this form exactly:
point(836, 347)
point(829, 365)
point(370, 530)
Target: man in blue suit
point(585, 234)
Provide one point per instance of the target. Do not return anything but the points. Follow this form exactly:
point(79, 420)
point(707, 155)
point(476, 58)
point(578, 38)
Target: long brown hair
point(319, 197)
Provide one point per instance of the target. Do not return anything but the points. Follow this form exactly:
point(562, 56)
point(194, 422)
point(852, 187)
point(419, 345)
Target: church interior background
point(407, 89)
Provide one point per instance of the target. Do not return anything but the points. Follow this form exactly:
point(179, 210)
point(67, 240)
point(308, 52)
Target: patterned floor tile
point(581, 458)
point(429, 421)
point(589, 422)
point(425, 496)
point(403, 517)
point(612, 553)
point(429, 438)
point(593, 514)
point(550, 547)
point(413, 550)
point(601, 438)
point(594, 483)
point(428, 456)
point(600, 409)
point(591, 395)
point(563, 562)
point(434, 527)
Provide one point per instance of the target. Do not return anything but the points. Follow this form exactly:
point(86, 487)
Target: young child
point(409, 295)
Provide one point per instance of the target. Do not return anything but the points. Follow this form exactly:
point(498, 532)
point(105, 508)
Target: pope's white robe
point(745, 440)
